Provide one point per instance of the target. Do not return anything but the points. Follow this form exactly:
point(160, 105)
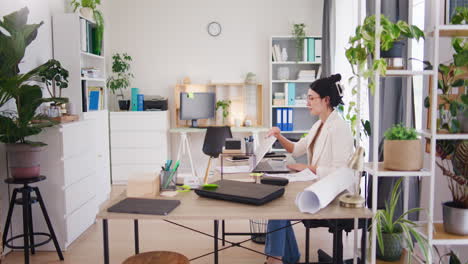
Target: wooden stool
point(157, 257)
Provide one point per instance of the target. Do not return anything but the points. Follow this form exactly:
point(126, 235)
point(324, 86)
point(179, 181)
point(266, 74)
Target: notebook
point(144, 206)
point(242, 192)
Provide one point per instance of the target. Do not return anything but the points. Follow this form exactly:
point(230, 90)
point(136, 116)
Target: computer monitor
point(195, 106)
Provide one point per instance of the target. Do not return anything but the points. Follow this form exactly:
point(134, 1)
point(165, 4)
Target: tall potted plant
point(121, 77)
point(16, 125)
point(402, 149)
point(89, 10)
point(393, 231)
point(454, 165)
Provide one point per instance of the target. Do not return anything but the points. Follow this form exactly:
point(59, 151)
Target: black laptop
point(242, 192)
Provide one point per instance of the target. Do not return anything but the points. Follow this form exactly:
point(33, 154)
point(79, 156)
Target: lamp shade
point(356, 161)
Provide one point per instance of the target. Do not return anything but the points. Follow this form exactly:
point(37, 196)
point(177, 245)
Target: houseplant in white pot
point(455, 212)
point(402, 149)
point(19, 120)
point(393, 231)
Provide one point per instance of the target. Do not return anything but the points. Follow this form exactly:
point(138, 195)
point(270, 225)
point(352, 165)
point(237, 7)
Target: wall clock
point(214, 29)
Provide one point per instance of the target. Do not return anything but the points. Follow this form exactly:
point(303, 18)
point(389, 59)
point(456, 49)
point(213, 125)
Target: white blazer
point(333, 146)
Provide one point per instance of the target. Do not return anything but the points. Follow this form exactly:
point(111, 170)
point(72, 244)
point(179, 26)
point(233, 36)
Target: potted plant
point(402, 149)
point(224, 105)
point(455, 212)
point(453, 258)
point(393, 231)
point(363, 45)
point(89, 10)
point(121, 77)
point(55, 78)
point(299, 36)
point(16, 125)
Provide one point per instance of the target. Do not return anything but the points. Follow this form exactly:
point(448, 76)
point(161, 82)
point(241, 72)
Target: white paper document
point(234, 169)
point(263, 149)
point(324, 191)
point(304, 175)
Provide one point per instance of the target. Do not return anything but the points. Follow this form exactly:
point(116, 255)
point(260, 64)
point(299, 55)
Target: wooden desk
point(193, 207)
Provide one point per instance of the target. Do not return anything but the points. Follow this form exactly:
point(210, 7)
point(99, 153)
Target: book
point(318, 50)
point(95, 98)
point(305, 52)
point(273, 54)
point(83, 44)
point(134, 100)
point(84, 97)
point(319, 72)
point(311, 49)
point(291, 93)
point(278, 52)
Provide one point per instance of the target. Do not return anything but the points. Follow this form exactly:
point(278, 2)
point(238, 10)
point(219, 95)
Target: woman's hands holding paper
point(274, 131)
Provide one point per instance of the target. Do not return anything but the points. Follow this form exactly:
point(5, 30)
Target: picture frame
point(450, 6)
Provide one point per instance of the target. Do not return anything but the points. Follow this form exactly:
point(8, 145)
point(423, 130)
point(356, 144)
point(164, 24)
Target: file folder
point(279, 117)
point(290, 119)
point(285, 119)
point(291, 94)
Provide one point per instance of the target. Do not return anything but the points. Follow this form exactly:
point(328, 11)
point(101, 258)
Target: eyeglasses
point(311, 98)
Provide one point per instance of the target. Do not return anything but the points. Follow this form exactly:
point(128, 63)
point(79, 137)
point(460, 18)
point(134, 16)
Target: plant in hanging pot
point(395, 231)
point(455, 212)
point(224, 105)
point(363, 45)
point(121, 77)
point(20, 120)
point(89, 10)
point(402, 149)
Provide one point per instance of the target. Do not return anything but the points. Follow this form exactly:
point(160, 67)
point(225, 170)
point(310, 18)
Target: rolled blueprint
point(322, 192)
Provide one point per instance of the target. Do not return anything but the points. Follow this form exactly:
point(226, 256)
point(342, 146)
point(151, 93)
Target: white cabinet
point(139, 143)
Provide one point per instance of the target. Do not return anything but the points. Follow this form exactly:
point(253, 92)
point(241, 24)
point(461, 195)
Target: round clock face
point(214, 29)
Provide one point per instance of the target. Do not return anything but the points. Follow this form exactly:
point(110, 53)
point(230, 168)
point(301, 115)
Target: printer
point(154, 103)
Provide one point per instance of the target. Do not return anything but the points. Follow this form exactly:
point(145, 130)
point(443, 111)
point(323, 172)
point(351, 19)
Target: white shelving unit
point(303, 121)
point(432, 231)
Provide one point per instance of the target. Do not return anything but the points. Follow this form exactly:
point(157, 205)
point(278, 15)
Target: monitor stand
point(194, 123)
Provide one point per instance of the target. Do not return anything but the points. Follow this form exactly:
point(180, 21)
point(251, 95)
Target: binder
point(83, 36)
point(291, 95)
point(285, 119)
point(93, 100)
point(279, 117)
point(305, 52)
point(318, 50)
point(285, 93)
point(311, 49)
point(290, 119)
point(140, 98)
point(134, 99)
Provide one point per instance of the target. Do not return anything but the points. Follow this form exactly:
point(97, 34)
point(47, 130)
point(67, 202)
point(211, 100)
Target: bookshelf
point(292, 83)
point(73, 47)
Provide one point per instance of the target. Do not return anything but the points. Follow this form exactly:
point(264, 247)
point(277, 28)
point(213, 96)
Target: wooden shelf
point(451, 31)
point(403, 259)
point(441, 237)
point(381, 172)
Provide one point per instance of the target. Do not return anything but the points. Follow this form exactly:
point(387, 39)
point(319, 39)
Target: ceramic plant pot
point(124, 105)
point(392, 250)
point(24, 160)
point(455, 219)
point(86, 12)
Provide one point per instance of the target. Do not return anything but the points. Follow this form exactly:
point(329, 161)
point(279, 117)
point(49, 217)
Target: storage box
point(279, 102)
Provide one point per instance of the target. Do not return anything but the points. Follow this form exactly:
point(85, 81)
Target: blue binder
point(93, 100)
point(285, 119)
point(290, 119)
point(134, 99)
point(279, 118)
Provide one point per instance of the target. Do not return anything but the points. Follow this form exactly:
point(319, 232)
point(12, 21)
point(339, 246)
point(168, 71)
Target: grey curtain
point(327, 38)
point(392, 111)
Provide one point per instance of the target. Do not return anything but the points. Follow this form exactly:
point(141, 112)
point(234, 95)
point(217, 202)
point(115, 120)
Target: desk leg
point(364, 242)
point(216, 223)
point(355, 246)
point(105, 240)
point(223, 230)
point(137, 236)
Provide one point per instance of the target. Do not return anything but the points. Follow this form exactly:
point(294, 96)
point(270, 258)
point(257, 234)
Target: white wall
point(37, 53)
point(168, 41)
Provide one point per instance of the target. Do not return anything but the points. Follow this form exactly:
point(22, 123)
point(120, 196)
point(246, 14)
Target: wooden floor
point(159, 235)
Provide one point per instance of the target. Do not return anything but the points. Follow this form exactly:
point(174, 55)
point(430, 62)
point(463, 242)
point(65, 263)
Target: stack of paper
point(321, 193)
point(305, 175)
point(306, 75)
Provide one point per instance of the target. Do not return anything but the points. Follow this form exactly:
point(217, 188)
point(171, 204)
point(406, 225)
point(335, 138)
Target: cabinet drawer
point(139, 139)
point(139, 121)
point(78, 167)
point(79, 193)
point(121, 173)
point(139, 156)
point(78, 139)
point(80, 220)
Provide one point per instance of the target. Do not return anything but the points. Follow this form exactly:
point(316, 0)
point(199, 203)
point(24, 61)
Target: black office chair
point(337, 226)
point(215, 139)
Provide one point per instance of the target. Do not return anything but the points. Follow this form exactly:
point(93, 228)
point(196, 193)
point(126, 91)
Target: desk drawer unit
point(139, 143)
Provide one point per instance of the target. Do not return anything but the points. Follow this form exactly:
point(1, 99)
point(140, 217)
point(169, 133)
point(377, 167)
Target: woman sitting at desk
point(328, 145)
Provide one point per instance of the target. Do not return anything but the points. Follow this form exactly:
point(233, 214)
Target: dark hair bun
point(335, 78)
point(329, 87)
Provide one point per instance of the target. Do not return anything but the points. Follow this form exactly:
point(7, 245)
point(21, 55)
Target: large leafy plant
point(55, 78)
point(17, 124)
point(121, 73)
point(398, 226)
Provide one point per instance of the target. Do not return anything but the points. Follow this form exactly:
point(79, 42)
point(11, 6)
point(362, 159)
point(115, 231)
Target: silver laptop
point(269, 165)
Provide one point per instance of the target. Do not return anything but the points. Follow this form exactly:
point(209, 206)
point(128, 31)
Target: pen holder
point(168, 180)
point(249, 148)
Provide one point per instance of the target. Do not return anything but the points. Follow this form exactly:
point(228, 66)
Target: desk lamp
point(356, 163)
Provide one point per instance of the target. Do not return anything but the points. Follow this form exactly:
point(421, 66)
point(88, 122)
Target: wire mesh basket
point(259, 229)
